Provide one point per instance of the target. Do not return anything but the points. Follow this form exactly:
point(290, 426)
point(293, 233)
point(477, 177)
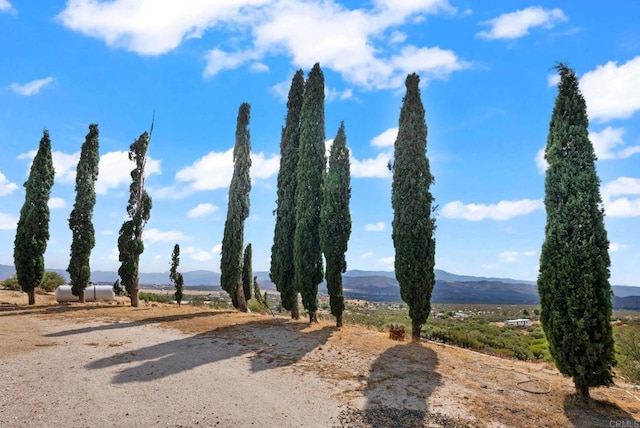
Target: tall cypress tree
point(282, 268)
point(130, 243)
point(81, 218)
point(411, 199)
point(307, 255)
point(336, 221)
point(247, 273)
point(175, 276)
point(32, 232)
point(237, 211)
point(573, 282)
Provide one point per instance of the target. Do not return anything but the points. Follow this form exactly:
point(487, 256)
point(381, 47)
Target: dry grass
point(364, 366)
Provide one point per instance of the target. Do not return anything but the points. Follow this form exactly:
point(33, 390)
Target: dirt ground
point(107, 364)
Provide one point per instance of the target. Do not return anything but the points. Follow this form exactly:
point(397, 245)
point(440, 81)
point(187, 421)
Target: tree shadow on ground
point(152, 320)
point(400, 382)
point(10, 310)
point(596, 413)
point(267, 343)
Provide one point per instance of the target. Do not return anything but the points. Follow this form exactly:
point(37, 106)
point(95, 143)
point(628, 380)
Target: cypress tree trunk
point(583, 391)
point(416, 329)
point(32, 296)
point(242, 302)
point(339, 320)
point(81, 296)
point(295, 309)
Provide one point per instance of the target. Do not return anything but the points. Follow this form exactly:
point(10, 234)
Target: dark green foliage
point(573, 283)
point(117, 289)
point(175, 276)
point(336, 220)
point(51, 281)
point(282, 269)
point(81, 218)
point(307, 255)
point(238, 208)
point(130, 242)
point(32, 232)
point(411, 199)
point(247, 273)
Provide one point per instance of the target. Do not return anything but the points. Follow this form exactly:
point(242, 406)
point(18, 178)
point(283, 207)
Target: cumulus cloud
point(616, 246)
point(202, 255)
point(115, 170)
point(621, 197)
point(514, 256)
point(503, 210)
point(214, 170)
point(386, 139)
point(155, 235)
point(8, 221)
point(387, 262)
point(608, 144)
point(56, 203)
point(31, 88)
point(151, 27)
point(6, 7)
point(612, 91)
point(371, 167)
point(375, 227)
point(64, 164)
point(349, 41)
point(517, 24)
point(367, 255)
point(6, 186)
point(202, 210)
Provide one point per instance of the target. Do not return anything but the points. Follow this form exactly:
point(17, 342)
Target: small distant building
point(522, 322)
point(461, 316)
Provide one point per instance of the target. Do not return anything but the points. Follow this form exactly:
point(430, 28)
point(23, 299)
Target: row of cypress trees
point(312, 214)
point(312, 218)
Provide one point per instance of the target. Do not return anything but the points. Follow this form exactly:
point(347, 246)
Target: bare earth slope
point(101, 365)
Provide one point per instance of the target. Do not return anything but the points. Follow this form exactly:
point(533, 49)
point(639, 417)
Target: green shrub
point(255, 306)
point(154, 297)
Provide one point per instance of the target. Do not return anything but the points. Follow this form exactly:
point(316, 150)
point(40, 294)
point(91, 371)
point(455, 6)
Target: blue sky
point(487, 85)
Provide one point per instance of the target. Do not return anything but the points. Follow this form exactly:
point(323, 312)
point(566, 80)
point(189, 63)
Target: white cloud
point(202, 210)
point(386, 139)
point(387, 261)
point(517, 24)
point(331, 94)
point(397, 37)
point(8, 221)
point(616, 246)
point(155, 235)
point(214, 171)
point(541, 162)
point(202, 255)
point(553, 80)
point(64, 164)
point(264, 167)
point(56, 203)
point(608, 140)
point(367, 255)
point(259, 67)
point(503, 210)
point(349, 41)
point(151, 27)
point(514, 256)
point(115, 170)
point(375, 227)
point(371, 167)
point(281, 90)
point(6, 186)
point(612, 91)
point(616, 206)
point(31, 88)
point(6, 7)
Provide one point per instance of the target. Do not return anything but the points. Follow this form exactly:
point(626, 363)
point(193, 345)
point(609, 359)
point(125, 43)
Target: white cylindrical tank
point(92, 293)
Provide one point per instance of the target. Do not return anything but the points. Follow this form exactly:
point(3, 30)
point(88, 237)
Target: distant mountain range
point(382, 286)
